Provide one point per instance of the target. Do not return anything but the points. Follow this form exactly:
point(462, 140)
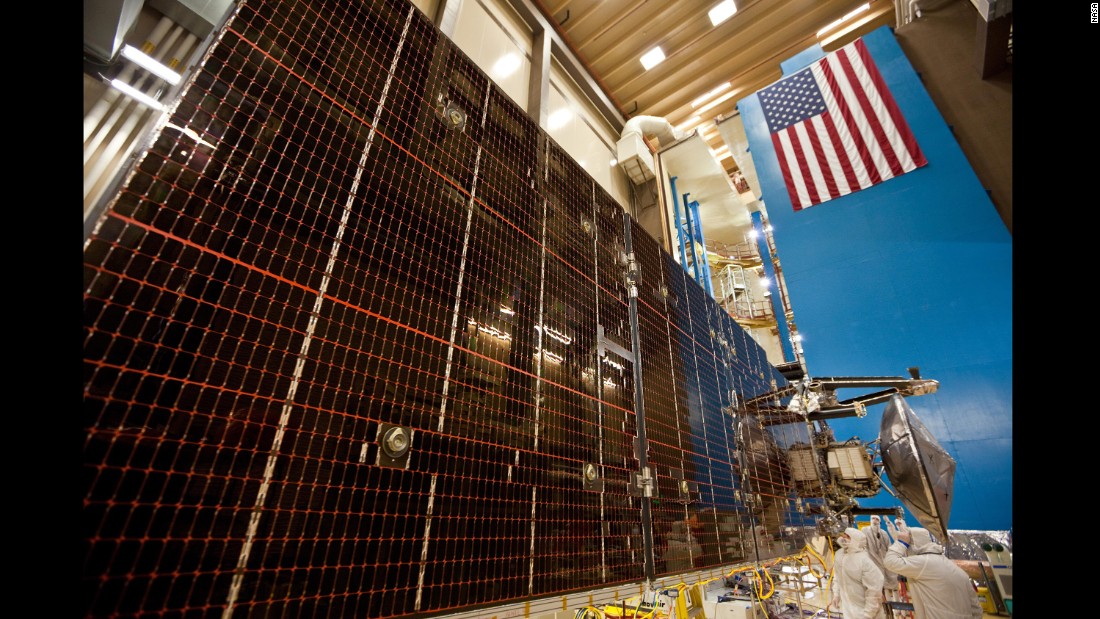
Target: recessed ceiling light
point(136, 94)
point(151, 65)
point(652, 58)
point(844, 19)
point(722, 11)
point(710, 94)
point(689, 123)
point(718, 101)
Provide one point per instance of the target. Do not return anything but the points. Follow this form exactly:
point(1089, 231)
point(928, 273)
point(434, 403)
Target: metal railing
point(734, 251)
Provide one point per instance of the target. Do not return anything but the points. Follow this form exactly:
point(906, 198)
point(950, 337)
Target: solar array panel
point(359, 342)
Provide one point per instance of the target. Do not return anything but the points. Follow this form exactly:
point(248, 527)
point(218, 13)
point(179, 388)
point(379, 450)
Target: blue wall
point(915, 271)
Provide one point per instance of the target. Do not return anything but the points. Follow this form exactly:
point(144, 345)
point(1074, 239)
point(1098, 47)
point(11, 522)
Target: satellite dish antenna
point(920, 470)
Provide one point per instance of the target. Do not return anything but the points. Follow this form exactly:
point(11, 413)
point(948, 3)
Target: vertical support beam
point(662, 203)
point(538, 89)
point(765, 252)
point(704, 274)
point(639, 405)
point(991, 53)
point(747, 488)
point(678, 227)
point(532, 15)
point(446, 16)
point(688, 234)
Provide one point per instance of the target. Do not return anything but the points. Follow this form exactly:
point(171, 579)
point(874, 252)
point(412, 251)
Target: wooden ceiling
point(746, 50)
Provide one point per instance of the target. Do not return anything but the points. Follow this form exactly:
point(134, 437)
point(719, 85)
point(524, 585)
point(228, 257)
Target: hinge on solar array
point(632, 274)
point(642, 483)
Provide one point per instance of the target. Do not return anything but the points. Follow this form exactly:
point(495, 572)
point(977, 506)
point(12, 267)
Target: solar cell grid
point(355, 328)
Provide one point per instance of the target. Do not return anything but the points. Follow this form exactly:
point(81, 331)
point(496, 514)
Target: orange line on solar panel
point(114, 432)
point(449, 474)
point(119, 432)
point(608, 430)
point(441, 340)
point(425, 164)
point(552, 253)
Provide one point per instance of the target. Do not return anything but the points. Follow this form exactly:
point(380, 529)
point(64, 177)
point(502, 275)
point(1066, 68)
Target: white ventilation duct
point(652, 125)
point(632, 151)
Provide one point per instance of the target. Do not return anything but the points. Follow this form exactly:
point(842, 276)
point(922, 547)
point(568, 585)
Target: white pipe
point(95, 115)
point(652, 125)
point(122, 143)
point(122, 104)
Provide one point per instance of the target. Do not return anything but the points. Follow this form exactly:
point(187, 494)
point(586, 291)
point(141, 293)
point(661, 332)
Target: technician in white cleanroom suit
point(939, 588)
point(877, 543)
point(857, 581)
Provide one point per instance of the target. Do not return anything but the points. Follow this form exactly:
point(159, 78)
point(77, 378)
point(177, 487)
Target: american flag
point(836, 128)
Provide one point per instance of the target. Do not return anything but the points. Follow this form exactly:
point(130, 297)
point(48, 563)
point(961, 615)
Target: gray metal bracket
point(605, 345)
point(642, 483)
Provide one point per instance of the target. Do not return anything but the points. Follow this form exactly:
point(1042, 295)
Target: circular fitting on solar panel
point(454, 117)
point(684, 487)
point(590, 472)
point(395, 442)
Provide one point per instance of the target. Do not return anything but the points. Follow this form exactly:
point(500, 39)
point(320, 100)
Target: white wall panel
point(584, 134)
point(494, 37)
